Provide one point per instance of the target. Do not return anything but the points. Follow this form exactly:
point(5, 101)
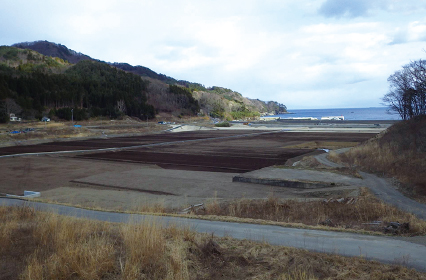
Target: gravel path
point(387, 193)
point(382, 189)
point(322, 158)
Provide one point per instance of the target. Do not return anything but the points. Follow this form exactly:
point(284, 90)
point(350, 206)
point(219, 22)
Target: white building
point(14, 118)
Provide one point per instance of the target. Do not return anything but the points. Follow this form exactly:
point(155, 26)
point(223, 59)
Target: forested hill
point(56, 79)
point(90, 88)
point(61, 51)
point(228, 103)
point(53, 50)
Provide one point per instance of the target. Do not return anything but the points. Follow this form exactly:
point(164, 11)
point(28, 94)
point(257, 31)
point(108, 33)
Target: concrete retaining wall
point(282, 183)
point(27, 194)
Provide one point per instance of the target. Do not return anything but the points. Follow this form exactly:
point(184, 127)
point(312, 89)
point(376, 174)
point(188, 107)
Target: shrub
point(223, 124)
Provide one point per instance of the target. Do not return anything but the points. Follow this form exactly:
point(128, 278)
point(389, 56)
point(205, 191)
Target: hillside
point(225, 103)
point(53, 50)
point(29, 61)
point(33, 85)
point(398, 152)
point(61, 51)
point(163, 93)
point(228, 100)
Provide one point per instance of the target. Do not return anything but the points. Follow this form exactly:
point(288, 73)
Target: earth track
point(383, 190)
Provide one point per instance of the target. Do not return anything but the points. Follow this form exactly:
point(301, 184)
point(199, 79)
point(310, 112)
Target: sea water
point(372, 113)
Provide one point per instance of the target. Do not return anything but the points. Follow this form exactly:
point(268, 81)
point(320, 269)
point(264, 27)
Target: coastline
point(371, 113)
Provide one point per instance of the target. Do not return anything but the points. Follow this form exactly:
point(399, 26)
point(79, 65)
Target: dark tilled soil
point(258, 141)
point(198, 162)
point(237, 155)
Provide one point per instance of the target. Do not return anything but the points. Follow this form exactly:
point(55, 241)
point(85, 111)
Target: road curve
point(384, 249)
point(383, 190)
point(322, 158)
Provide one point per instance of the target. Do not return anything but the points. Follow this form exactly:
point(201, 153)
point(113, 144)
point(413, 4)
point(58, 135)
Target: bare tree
point(407, 90)
point(121, 106)
point(12, 107)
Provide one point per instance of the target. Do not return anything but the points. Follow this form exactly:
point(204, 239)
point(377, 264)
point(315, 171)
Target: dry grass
point(399, 152)
point(332, 216)
point(331, 145)
point(46, 133)
point(296, 264)
point(336, 215)
point(58, 247)
point(389, 160)
point(149, 206)
point(59, 130)
point(310, 162)
point(36, 245)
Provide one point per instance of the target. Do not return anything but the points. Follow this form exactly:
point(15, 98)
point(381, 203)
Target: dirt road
point(383, 190)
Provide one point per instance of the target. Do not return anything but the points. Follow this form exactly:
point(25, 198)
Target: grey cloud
point(356, 81)
point(349, 8)
point(340, 8)
point(400, 38)
point(403, 36)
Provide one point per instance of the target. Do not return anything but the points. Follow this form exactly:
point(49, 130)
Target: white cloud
point(414, 31)
point(299, 53)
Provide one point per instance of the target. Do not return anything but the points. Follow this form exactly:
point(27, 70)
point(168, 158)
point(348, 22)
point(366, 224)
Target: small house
point(14, 118)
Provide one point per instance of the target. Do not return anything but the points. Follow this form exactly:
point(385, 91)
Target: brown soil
point(41, 173)
point(263, 142)
point(235, 155)
point(48, 172)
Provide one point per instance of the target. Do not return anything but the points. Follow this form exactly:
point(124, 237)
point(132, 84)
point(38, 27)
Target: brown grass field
point(332, 215)
point(37, 245)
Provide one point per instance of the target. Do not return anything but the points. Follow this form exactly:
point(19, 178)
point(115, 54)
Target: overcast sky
point(303, 53)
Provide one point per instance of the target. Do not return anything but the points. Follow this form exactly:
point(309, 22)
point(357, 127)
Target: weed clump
point(223, 124)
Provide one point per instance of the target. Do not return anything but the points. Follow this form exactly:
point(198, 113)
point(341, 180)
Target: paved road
point(384, 249)
point(383, 190)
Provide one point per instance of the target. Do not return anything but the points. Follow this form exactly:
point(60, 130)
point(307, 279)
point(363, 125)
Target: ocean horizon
point(371, 113)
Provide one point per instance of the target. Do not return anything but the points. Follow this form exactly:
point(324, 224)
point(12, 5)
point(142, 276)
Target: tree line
point(93, 88)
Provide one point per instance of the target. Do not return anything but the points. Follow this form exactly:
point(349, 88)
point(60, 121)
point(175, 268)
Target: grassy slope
point(29, 60)
point(398, 152)
point(36, 245)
